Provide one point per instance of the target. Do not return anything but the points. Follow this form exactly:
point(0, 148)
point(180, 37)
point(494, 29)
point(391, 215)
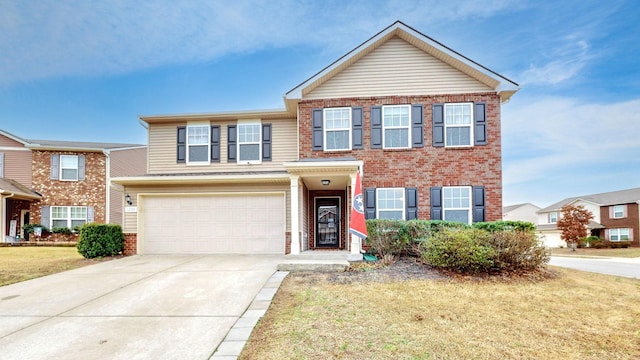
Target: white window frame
point(240, 125)
point(468, 208)
point(618, 209)
point(207, 143)
point(447, 109)
point(619, 234)
point(76, 168)
point(553, 217)
point(326, 129)
point(380, 208)
point(396, 127)
point(69, 215)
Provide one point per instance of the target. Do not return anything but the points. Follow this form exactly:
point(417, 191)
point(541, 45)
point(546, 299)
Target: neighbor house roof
point(603, 199)
point(14, 188)
point(503, 86)
point(510, 208)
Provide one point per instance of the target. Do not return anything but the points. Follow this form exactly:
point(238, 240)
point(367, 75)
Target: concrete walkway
point(144, 307)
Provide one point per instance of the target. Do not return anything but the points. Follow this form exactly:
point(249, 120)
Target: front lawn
point(20, 263)
point(575, 315)
point(628, 252)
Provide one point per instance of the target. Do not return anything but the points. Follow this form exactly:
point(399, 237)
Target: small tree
point(573, 224)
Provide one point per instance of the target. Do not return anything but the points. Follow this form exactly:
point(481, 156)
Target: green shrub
point(29, 228)
point(383, 237)
point(462, 250)
point(590, 241)
point(598, 243)
point(61, 230)
point(100, 240)
point(618, 244)
point(517, 250)
point(503, 225)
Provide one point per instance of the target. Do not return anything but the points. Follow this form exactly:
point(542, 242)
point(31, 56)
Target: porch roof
point(17, 190)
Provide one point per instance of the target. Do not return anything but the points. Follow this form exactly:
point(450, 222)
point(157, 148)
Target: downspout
point(107, 197)
point(3, 215)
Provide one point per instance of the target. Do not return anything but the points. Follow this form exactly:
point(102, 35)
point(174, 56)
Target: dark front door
point(327, 223)
point(25, 221)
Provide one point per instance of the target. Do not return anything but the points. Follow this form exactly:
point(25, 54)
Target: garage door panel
point(246, 224)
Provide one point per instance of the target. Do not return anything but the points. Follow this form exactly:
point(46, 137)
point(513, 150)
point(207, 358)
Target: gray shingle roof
point(603, 199)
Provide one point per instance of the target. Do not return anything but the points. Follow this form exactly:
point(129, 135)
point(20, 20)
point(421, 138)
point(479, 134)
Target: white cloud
point(563, 63)
point(68, 38)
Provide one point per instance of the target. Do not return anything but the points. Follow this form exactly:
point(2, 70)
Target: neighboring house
point(420, 122)
point(521, 212)
point(61, 183)
point(616, 217)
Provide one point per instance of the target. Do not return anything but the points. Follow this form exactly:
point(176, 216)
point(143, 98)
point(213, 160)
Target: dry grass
point(627, 253)
point(575, 315)
point(22, 263)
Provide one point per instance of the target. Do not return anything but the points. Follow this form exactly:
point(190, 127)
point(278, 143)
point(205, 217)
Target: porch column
point(354, 253)
point(295, 218)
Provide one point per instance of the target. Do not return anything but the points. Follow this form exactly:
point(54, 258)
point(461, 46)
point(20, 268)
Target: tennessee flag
point(357, 226)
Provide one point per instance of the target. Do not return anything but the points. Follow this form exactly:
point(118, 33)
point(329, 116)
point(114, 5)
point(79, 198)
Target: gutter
point(107, 197)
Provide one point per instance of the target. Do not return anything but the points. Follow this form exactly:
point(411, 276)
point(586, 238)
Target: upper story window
point(390, 203)
point(617, 212)
point(458, 122)
point(68, 216)
point(619, 235)
point(396, 126)
point(198, 144)
point(337, 129)
point(456, 204)
point(69, 167)
point(249, 136)
point(553, 217)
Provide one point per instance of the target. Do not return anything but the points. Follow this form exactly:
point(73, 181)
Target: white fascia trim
point(187, 179)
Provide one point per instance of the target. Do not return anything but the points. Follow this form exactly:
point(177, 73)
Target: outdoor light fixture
point(127, 198)
point(325, 182)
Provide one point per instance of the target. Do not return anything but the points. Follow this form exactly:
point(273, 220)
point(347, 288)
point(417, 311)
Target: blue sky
point(85, 70)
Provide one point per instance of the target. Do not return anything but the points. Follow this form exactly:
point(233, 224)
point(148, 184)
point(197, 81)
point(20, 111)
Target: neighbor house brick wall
point(420, 167)
point(631, 221)
point(130, 244)
point(88, 192)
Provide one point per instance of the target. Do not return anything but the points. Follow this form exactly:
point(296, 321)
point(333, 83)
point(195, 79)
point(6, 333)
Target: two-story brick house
point(418, 120)
point(616, 217)
point(61, 183)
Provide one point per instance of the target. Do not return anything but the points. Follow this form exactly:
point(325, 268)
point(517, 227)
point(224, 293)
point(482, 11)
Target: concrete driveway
point(140, 307)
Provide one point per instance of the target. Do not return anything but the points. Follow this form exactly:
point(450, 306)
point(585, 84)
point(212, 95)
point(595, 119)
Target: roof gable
point(603, 199)
point(503, 86)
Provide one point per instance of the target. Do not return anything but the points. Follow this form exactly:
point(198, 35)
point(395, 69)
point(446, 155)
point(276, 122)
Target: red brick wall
point(130, 244)
point(88, 192)
point(422, 167)
point(631, 221)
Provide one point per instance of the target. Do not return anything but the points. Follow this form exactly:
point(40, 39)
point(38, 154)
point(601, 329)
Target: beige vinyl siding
point(397, 68)
point(128, 162)
point(17, 166)
point(7, 142)
point(162, 149)
point(115, 206)
point(130, 219)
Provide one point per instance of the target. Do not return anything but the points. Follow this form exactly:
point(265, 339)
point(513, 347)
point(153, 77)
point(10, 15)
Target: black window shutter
point(55, 167)
point(411, 195)
point(45, 216)
point(232, 137)
point(478, 204)
point(376, 127)
point(480, 122)
point(316, 129)
point(81, 167)
point(370, 203)
point(356, 128)
point(436, 203)
point(417, 126)
point(181, 151)
point(215, 143)
point(266, 142)
point(438, 125)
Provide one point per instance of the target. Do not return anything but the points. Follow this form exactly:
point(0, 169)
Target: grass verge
point(575, 315)
point(626, 253)
point(22, 263)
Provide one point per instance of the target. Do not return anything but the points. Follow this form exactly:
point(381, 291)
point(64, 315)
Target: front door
point(25, 221)
point(328, 222)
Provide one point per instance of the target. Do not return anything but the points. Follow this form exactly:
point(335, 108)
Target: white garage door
point(213, 224)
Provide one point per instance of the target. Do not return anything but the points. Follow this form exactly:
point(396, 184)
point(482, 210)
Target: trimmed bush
point(504, 225)
point(462, 250)
point(618, 244)
point(98, 240)
point(383, 237)
point(61, 230)
point(517, 250)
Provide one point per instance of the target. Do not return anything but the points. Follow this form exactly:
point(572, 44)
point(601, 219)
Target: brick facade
point(88, 192)
point(420, 167)
point(631, 221)
point(130, 244)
